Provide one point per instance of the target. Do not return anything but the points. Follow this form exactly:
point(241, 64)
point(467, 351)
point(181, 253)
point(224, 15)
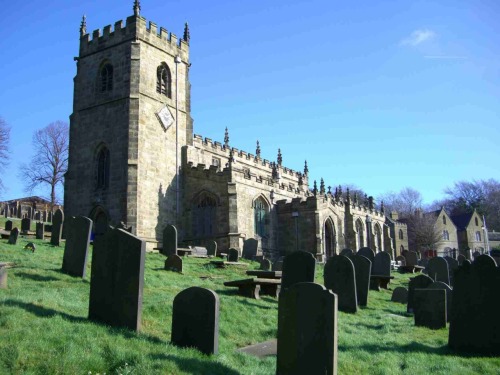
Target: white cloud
point(417, 37)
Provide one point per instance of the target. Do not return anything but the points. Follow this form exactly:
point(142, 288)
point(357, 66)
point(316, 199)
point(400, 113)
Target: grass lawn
point(44, 327)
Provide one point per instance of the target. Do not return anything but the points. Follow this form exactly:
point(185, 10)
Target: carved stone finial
point(322, 186)
point(382, 207)
point(348, 195)
point(231, 156)
point(226, 138)
point(306, 170)
point(371, 202)
point(83, 26)
point(366, 200)
point(315, 188)
point(301, 180)
point(137, 7)
point(186, 37)
point(257, 150)
point(355, 198)
point(280, 157)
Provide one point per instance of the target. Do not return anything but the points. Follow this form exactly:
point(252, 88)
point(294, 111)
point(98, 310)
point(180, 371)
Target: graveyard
point(45, 328)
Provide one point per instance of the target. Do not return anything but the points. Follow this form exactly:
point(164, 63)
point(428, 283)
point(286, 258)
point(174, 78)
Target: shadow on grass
point(34, 277)
point(250, 303)
point(196, 366)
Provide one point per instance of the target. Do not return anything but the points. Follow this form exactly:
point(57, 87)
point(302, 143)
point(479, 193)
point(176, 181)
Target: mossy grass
point(44, 326)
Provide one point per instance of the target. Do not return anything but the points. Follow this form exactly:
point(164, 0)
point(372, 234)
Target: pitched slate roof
point(461, 221)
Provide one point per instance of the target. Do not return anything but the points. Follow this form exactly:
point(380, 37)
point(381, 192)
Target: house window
point(478, 236)
point(102, 169)
point(204, 215)
point(106, 78)
point(444, 220)
point(164, 80)
point(476, 221)
point(401, 236)
point(260, 216)
point(446, 235)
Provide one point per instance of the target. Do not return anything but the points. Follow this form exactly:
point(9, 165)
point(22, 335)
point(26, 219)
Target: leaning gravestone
point(382, 264)
point(339, 277)
point(449, 294)
point(474, 323)
point(347, 252)
point(400, 295)
point(362, 269)
point(169, 240)
point(250, 248)
point(173, 263)
point(233, 255)
point(367, 252)
point(298, 267)
point(40, 229)
point(57, 227)
point(25, 225)
point(14, 233)
point(78, 231)
point(195, 320)
point(212, 248)
point(117, 279)
point(265, 264)
point(437, 269)
point(8, 225)
point(430, 308)
point(417, 282)
point(307, 330)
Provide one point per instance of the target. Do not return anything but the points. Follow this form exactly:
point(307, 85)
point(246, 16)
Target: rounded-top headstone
point(400, 295)
point(233, 255)
point(339, 277)
point(367, 252)
point(299, 266)
point(382, 264)
point(347, 252)
point(484, 260)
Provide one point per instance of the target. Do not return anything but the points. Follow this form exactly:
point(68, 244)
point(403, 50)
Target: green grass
point(44, 327)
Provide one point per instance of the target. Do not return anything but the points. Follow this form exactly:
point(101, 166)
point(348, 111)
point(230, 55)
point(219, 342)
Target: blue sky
point(379, 94)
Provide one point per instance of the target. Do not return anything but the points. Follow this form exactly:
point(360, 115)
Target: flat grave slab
point(262, 349)
point(265, 274)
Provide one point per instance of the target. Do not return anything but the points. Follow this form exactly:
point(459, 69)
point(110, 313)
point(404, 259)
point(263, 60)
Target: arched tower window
point(401, 235)
point(164, 80)
point(260, 210)
point(102, 168)
point(204, 215)
point(106, 77)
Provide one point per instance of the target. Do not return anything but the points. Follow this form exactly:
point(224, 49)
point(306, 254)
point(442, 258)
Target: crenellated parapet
point(135, 28)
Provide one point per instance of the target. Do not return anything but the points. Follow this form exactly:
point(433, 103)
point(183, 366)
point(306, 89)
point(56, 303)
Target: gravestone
point(340, 278)
point(411, 258)
point(78, 231)
point(307, 330)
point(474, 323)
point(265, 264)
point(40, 231)
point(173, 263)
point(368, 253)
point(485, 260)
point(401, 260)
point(461, 259)
point(25, 225)
point(437, 269)
point(452, 267)
point(417, 282)
point(195, 320)
point(430, 308)
point(14, 233)
point(8, 225)
point(278, 265)
point(382, 264)
point(298, 267)
point(169, 240)
point(233, 255)
point(362, 270)
point(117, 279)
point(250, 248)
point(400, 295)
point(57, 227)
point(211, 248)
point(199, 251)
point(449, 294)
point(347, 252)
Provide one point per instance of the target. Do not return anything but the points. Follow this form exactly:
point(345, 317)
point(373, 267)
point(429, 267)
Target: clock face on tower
point(165, 117)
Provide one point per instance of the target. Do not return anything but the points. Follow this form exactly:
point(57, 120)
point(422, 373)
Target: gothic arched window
point(164, 80)
point(203, 215)
point(106, 77)
point(401, 235)
point(102, 168)
point(260, 217)
point(446, 235)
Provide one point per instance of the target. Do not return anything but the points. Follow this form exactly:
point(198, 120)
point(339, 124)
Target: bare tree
point(4, 145)
point(422, 232)
point(50, 161)
point(404, 202)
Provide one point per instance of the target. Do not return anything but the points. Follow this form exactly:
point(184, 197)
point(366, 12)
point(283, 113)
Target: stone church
point(134, 158)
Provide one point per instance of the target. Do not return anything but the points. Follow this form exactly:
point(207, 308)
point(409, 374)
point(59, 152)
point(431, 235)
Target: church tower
point(131, 117)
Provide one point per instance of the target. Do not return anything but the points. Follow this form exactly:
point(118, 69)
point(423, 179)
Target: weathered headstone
point(250, 248)
point(307, 330)
point(40, 231)
point(195, 320)
point(8, 225)
point(173, 263)
point(437, 269)
point(368, 253)
point(347, 252)
point(449, 294)
point(340, 278)
point(14, 233)
point(78, 231)
point(169, 240)
point(233, 255)
point(418, 282)
point(199, 251)
point(362, 269)
point(430, 308)
point(400, 295)
point(25, 225)
point(212, 248)
point(57, 227)
point(382, 264)
point(411, 258)
point(117, 279)
point(401, 260)
point(474, 323)
point(265, 264)
point(298, 267)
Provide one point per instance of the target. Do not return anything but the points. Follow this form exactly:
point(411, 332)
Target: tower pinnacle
point(83, 26)
point(226, 138)
point(137, 7)
point(186, 36)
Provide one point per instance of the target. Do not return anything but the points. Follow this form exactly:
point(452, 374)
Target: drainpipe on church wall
point(177, 61)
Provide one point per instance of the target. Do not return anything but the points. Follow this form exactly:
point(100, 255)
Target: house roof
point(462, 221)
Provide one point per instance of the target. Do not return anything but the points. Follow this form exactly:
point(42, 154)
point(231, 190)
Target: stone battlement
point(134, 29)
